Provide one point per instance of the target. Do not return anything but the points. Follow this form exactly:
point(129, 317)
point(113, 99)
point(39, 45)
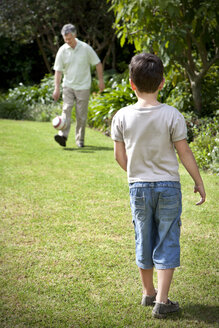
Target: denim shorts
point(156, 209)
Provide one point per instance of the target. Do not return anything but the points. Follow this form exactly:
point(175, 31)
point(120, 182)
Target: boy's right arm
point(189, 162)
point(120, 154)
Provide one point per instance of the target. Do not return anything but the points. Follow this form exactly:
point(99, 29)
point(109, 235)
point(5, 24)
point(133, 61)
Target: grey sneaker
point(161, 310)
point(148, 300)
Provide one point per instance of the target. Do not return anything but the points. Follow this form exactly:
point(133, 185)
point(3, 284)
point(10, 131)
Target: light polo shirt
point(75, 64)
point(149, 134)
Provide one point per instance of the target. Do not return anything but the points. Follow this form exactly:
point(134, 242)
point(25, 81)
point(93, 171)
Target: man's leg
point(68, 103)
point(82, 99)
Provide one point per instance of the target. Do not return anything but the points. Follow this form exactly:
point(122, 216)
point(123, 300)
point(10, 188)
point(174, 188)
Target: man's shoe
point(80, 144)
point(61, 140)
point(148, 300)
point(161, 310)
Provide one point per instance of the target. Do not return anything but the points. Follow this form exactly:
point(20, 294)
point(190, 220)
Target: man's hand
point(56, 94)
point(101, 85)
point(99, 68)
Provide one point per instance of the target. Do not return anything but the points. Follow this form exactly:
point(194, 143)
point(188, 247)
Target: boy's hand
point(201, 191)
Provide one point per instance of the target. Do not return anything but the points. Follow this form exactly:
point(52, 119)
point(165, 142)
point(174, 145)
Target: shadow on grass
point(196, 313)
point(205, 313)
point(89, 149)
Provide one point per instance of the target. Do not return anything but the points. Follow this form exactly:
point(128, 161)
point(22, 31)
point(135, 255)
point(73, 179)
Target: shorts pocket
point(138, 208)
point(138, 202)
point(170, 205)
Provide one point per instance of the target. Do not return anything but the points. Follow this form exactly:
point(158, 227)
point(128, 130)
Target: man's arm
point(189, 162)
point(120, 154)
point(99, 68)
point(58, 78)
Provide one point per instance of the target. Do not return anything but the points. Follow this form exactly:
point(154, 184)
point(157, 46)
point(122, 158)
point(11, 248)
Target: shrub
point(180, 97)
point(205, 144)
point(102, 107)
point(17, 111)
point(193, 123)
point(210, 91)
point(30, 102)
point(13, 110)
point(176, 91)
point(214, 166)
point(196, 124)
point(45, 113)
point(31, 95)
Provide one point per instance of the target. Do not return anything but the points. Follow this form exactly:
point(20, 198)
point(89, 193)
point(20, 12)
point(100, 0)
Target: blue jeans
point(156, 209)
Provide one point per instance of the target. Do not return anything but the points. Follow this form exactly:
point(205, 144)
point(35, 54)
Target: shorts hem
point(164, 267)
point(157, 266)
point(144, 267)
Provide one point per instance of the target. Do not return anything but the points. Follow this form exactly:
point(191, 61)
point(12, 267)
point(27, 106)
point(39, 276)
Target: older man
point(74, 60)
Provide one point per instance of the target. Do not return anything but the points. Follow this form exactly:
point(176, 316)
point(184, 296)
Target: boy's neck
point(147, 99)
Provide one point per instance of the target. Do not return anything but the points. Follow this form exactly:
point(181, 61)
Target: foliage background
point(184, 33)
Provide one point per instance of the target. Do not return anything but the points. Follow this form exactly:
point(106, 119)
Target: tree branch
point(43, 54)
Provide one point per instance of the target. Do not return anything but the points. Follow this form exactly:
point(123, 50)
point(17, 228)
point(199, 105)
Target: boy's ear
point(161, 84)
point(132, 85)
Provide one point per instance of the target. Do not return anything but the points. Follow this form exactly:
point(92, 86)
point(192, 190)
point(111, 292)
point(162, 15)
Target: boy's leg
point(163, 306)
point(164, 280)
point(142, 213)
point(166, 254)
point(147, 281)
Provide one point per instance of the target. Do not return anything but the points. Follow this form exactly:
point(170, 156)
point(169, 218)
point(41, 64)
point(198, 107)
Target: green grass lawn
point(67, 241)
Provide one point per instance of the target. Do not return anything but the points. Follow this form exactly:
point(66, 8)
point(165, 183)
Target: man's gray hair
point(68, 28)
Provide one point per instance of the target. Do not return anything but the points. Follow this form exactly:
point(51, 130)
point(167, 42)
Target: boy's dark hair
point(146, 71)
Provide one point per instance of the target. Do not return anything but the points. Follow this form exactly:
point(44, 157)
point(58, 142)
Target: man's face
point(70, 39)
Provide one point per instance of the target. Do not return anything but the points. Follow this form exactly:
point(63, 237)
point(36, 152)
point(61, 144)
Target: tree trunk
point(197, 95)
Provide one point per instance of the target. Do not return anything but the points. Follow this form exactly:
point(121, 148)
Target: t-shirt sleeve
point(93, 58)
point(116, 129)
point(59, 64)
point(179, 129)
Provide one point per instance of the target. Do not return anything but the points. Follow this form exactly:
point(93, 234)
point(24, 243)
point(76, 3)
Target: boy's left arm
point(189, 162)
point(120, 154)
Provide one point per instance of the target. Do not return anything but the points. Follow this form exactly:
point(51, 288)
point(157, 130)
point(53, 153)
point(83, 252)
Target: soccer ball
point(59, 123)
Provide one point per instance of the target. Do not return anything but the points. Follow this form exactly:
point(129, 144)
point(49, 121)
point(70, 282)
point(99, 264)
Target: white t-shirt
point(75, 64)
point(148, 134)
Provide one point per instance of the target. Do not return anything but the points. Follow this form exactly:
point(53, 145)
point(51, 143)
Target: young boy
point(145, 136)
